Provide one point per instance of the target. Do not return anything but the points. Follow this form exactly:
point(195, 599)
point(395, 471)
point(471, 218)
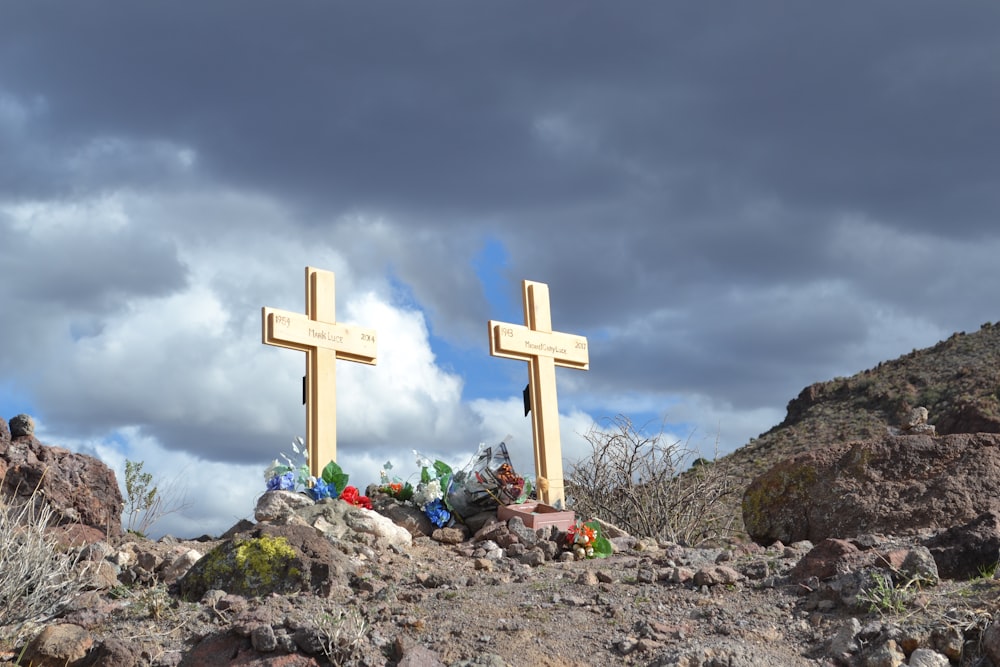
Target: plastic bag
point(487, 482)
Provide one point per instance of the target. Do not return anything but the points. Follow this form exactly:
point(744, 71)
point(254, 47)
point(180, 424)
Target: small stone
point(645, 575)
point(587, 578)
point(516, 550)
point(886, 655)
point(449, 535)
point(533, 558)
point(22, 425)
point(263, 639)
point(925, 657)
point(483, 564)
point(715, 575)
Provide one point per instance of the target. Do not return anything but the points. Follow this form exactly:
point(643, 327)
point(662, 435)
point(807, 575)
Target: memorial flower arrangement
point(332, 482)
point(393, 486)
point(584, 539)
point(430, 494)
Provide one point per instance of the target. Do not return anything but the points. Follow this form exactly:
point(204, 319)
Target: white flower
point(427, 493)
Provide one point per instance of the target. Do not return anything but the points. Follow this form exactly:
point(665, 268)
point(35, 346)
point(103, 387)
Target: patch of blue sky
point(15, 402)
point(490, 266)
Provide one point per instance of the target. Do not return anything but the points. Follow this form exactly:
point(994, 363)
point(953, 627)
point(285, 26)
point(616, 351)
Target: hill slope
point(957, 380)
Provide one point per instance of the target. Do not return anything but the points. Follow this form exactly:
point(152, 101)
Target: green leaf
point(524, 493)
point(425, 475)
point(407, 492)
point(442, 469)
point(332, 474)
point(445, 481)
point(602, 547)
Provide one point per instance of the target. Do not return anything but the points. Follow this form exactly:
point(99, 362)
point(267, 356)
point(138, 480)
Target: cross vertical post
point(324, 340)
point(543, 349)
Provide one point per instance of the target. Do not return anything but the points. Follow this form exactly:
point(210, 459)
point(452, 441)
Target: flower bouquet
point(488, 482)
point(431, 494)
point(584, 539)
point(332, 482)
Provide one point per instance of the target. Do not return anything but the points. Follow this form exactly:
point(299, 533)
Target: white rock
point(278, 506)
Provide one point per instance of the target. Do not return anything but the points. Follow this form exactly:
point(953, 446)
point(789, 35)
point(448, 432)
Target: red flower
point(352, 496)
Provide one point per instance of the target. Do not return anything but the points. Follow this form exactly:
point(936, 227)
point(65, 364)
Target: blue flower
point(437, 512)
point(323, 490)
point(283, 482)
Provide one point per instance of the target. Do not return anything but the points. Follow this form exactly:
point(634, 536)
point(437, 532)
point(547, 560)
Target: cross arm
point(297, 332)
point(514, 341)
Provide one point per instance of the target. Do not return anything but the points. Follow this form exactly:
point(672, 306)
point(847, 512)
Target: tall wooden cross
point(543, 349)
point(324, 340)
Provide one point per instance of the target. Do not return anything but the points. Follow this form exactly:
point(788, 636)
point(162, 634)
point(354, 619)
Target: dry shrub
point(38, 577)
point(650, 487)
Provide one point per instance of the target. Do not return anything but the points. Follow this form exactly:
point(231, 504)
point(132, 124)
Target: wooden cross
point(324, 340)
point(543, 349)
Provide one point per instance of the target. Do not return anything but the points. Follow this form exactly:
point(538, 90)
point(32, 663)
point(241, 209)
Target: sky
point(731, 201)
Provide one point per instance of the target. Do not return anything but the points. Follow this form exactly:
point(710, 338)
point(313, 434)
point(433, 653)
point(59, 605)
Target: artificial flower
point(282, 482)
point(321, 490)
point(352, 496)
point(437, 512)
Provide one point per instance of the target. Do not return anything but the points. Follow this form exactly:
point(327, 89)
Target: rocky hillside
point(957, 380)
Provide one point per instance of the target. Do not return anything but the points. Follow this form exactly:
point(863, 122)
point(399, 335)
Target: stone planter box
point(537, 515)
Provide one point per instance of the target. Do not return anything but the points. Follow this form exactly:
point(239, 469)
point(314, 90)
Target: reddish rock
point(967, 551)
point(82, 490)
point(896, 485)
point(830, 558)
point(228, 650)
point(58, 646)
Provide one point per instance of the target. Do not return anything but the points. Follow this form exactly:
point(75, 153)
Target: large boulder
point(270, 559)
point(898, 485)
point(970, 550)
point(81, 490)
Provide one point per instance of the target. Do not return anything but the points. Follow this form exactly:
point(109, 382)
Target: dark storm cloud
point(417, 107)
point(75, 268)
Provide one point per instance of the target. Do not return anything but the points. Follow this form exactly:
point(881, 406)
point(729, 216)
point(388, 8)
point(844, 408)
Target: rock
point(99, 576)
point(223, 649)
point(410, 654)
point(280, 506)
point(4, 430)
point(844, 642)
point(885, 655)
point(112, 653)
point(896, 485)
point(451, 535)
point(524, 534)
point(272, 559)
point(715, 575)
point(991, 642)
point(828, 559)
point(180, 565)
point(22, 426)
point(82, 491)
point(58, 646)
point(915, 423)
point(925, 657)
point(969, 550)
point(339, 521)
point(407, 516)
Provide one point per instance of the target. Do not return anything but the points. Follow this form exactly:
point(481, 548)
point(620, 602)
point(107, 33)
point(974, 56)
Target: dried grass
point(38, 577)
point(649, 487)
